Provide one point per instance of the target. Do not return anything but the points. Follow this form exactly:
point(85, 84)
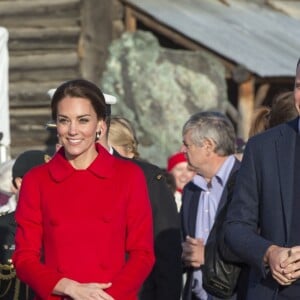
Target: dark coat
point(10, 286)
point(190, 201)
point(261, 210)
point(165, 280)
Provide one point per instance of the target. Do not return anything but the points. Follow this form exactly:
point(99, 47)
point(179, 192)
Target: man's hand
point(291, 266)
point(276, 257)
point(193, 252)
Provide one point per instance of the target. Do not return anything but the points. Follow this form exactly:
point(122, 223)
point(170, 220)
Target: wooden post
point(130, 20)
point(245, 107)
point(261, 94)
point(96, 37)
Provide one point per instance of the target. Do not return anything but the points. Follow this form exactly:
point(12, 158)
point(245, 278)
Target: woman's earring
point(98, 134)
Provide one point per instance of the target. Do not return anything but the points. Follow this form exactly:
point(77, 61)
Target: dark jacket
point(190, 201)
point(165, 280)
point(10, 286)
point(263, 198)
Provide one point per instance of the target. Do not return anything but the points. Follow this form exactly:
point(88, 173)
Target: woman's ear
point(102, 127)
point(18, 182)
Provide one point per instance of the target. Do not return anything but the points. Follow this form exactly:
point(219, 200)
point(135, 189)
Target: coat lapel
point(224, 196)
point(192, 210)
point(285, 150)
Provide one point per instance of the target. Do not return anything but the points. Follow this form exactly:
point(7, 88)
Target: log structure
point(50, 42)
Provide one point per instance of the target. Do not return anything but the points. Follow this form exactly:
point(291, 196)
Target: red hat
point(175, 159)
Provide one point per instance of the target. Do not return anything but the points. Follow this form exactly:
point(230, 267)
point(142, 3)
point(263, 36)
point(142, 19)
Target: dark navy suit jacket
point(261, 210)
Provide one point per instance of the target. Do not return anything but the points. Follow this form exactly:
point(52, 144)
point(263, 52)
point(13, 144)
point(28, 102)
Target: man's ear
point(209, 144)
point(18, 182)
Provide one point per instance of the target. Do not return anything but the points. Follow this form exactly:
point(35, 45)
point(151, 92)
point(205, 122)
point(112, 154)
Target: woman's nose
point(72, 128)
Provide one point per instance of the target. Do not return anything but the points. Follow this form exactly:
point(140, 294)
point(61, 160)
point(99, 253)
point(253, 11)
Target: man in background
point(209, 145)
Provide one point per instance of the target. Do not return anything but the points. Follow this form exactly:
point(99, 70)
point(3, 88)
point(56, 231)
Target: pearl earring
point(98, 134)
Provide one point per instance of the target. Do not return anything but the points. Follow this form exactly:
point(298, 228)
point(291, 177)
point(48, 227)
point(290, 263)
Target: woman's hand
point(82, 291)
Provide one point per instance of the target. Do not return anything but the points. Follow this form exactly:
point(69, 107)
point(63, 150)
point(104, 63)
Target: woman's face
point(182, 174)
point(77, 124)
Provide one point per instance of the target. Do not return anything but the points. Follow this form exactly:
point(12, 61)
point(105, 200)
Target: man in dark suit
point(209, 144)
point(263, 224)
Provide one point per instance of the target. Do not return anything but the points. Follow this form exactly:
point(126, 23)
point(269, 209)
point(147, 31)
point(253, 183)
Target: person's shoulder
point(191, 187)
point(126, 164)
point(150, 170)
point(274, 133)
point(37, 170)
point(146, 166)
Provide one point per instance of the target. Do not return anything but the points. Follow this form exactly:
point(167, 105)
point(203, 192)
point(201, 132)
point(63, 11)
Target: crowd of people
point(96, 221)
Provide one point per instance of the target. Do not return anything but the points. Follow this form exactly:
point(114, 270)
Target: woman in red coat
point(84, 224)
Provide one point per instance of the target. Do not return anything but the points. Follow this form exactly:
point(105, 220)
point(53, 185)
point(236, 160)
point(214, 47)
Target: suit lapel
point(193, 209)
point(285, 150)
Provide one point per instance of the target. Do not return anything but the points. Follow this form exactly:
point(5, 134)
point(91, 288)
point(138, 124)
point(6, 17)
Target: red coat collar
point(103, 166)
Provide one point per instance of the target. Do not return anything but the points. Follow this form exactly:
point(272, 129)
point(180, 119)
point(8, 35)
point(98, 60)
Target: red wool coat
point(92, 225)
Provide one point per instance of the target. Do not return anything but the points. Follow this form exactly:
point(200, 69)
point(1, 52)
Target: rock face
point(158, 89)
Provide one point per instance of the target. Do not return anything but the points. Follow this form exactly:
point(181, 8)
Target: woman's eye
point(62, 121)
point(83, 121)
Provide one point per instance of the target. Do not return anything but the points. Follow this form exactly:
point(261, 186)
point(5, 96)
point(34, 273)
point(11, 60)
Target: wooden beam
point(246, 92)
point(37, 7)
point(97, 33)
point(130, 20)
point(275, 80)
point(44, 61)
point(261, 94)
point(132, 14)
point(232, 112)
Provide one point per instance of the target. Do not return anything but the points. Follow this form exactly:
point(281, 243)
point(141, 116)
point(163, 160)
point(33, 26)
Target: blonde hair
point(121, 133)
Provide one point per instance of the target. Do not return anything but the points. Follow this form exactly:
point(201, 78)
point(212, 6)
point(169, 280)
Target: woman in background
point(122, 137)
point(182, 173)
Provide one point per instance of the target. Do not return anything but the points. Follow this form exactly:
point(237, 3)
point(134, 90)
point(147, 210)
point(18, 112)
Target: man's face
point(196, 155)
point(297, 89)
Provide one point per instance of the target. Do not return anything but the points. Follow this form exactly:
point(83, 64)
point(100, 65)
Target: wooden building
point(50, 42)
point(53, 41)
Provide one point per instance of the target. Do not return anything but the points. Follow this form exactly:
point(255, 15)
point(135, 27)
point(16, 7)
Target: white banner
point(4, 106)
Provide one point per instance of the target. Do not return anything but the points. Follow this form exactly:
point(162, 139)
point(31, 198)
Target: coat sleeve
point(27, 257)
point(242, 222)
